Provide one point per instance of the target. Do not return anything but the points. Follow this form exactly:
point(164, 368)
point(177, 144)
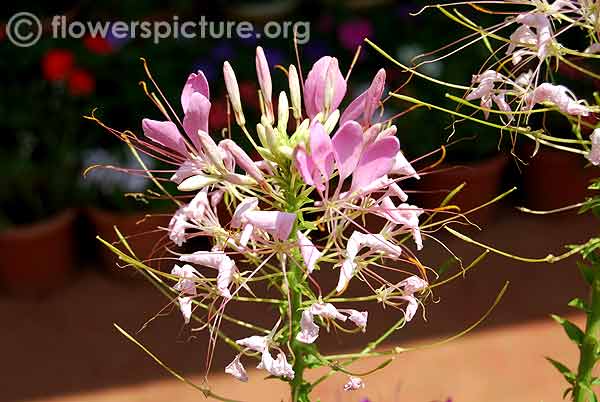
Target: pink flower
point(187, 287)
point(560, 95)
point(365, 162)
point(309, 331)
point(405, 215)
point(324, 87)
point(540, 40)
point(255, 343)
point(364, 106)
point(309, 252)
point(376, 242)
point(486, 92)
point(217, 260)
point(196, 106)
point(353, 384)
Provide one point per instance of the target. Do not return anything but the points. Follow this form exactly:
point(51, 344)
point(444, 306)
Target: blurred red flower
point(97, 44)
point(81, 83)
point(249, 93)
point(57, 64)
point(218, 115)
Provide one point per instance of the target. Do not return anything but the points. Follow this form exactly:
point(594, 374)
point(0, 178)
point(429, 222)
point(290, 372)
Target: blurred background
point(61, 290)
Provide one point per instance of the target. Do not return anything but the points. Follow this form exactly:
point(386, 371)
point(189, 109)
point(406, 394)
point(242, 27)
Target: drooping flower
point(310, 254)
point(487, 93)
point(309, 331)
point(376, 242)
point(525, 38)
point(218, 260)
point(187, 288)
point(594, 155)
point(236, 369)
point(561, 96)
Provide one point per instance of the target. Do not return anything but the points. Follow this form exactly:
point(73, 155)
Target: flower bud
point(283, 113)
point(264, 80)
point(196, 182)
point(211, 151)
point(234, 93)
point(295, 96)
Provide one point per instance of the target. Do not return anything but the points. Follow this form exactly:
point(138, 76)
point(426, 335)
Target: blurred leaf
point(564, 370)
point(580, 304)
point(572, 330)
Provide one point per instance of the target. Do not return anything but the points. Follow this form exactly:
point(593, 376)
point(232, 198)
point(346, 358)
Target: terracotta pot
point(483, 183)
point(554, 179)
point(38, 258)
point(141, 231)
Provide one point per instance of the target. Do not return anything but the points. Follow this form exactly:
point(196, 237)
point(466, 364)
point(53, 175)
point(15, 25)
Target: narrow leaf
point(572, 330)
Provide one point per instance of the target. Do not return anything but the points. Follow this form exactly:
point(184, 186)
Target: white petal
point(236, 369)
point(255, 343)
point(309, 331)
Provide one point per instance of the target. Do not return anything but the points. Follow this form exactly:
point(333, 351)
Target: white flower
point(594, 155)
point(215, 259)
point(278, 367)
point(187, 287)
point(236, 369)
point(353, 384)
point(255, 343)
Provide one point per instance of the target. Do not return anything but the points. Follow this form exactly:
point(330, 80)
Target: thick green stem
point(298, 385)
point(582, 390)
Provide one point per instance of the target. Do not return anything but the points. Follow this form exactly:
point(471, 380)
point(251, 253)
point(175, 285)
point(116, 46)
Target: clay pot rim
point(40, 228)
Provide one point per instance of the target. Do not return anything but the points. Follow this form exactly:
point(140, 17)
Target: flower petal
point(194, 83)
point(347, 147)
point(196, 117)
point(166, 134)
point(310, 254)
point(375, 162)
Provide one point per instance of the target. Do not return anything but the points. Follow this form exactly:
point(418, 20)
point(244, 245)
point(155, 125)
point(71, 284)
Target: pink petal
point(166, 134)
point(243, 160)
point(194, 83)
point(304, 165)
point(196, 117)
point(347, 146)
point(355, 109)
point(310, 254)
point(255, 343)
point(316, 83)
point(375, 162)
point(278, 224)
point(321, 150)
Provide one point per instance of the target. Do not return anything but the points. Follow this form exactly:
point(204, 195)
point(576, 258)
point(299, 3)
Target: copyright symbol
point(24, 29)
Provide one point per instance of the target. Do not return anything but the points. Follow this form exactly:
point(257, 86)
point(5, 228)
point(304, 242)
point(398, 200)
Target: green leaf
point(572, 330)
point(595, 381)
point(564, 370)
point(580, 304)
point(587, 272)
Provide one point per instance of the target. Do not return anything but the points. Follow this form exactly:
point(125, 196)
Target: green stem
point(298, 384)
point(582, 390)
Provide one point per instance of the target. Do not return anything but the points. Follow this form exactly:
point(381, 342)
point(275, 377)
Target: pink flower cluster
point(315, 166)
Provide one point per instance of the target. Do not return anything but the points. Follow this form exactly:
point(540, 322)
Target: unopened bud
point(196, 182)
point(295, 96)
point(264, 80)
point(283, 113)
point(234, 93)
